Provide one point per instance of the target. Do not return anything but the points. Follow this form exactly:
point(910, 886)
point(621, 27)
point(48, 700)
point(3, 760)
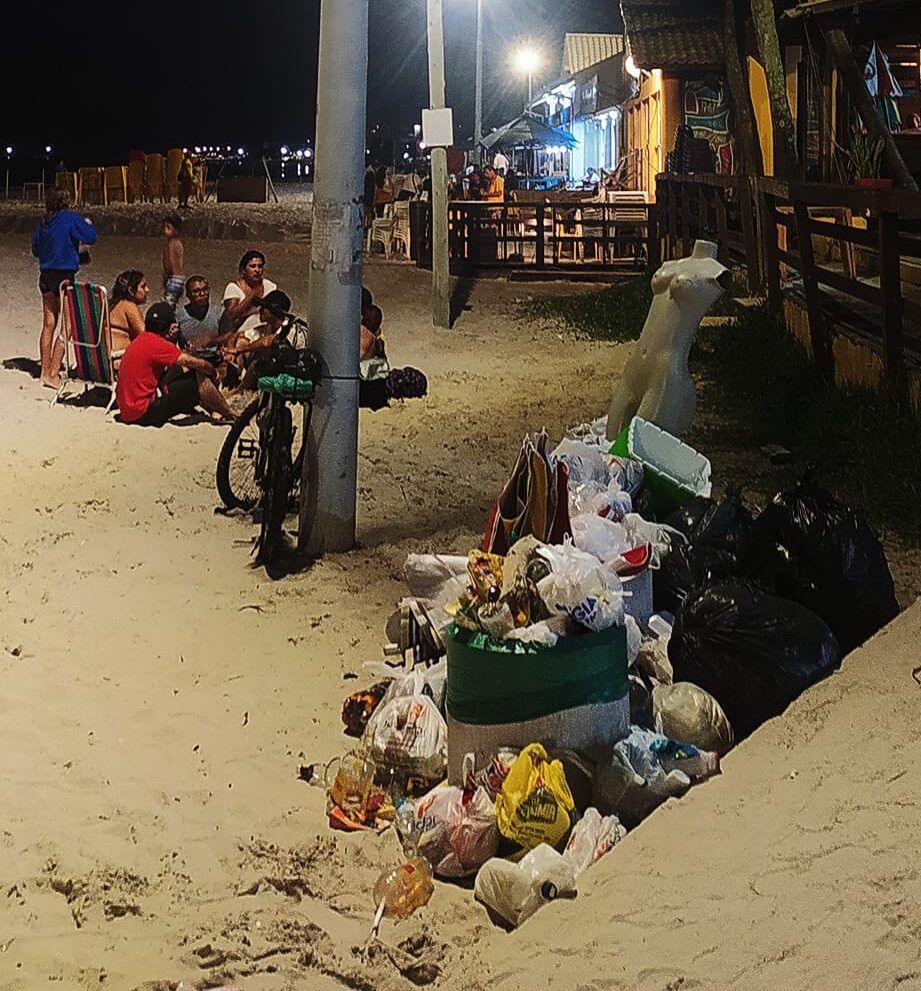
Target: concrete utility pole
point(441, 279)
point(478, 98)
point(328, 490)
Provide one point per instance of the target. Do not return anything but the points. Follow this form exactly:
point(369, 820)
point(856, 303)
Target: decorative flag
point(883, 86)
point(878, 75)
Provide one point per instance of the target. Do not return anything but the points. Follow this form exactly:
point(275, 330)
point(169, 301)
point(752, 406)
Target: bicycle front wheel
point(237, 477)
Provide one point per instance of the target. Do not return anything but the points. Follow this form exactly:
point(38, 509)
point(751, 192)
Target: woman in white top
point(242, 298)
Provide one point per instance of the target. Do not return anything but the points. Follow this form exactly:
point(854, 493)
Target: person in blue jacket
point(56, 244)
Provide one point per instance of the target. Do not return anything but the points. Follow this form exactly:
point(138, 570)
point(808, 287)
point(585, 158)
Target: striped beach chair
point(86, 337)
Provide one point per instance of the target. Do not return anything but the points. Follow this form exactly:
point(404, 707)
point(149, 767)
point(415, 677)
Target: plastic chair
point(92, 186)
point(115, 189)
point(87, 338)
point(400, 233)
point(136, 181)
point(153, 179)
point(381, 231)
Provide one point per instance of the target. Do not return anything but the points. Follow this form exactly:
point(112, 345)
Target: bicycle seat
point(287, 386)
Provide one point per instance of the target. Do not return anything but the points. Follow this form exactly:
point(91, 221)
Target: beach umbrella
point(528, 131)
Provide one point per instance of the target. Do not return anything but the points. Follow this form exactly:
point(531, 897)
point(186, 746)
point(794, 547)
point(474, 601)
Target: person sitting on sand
point(156, 380)
point(371, 344)
point(246, 353)
point(126, 321)
point(242, 297)
point(199, 319)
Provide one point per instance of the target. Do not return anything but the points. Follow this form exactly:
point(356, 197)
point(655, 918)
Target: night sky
point(109, 77)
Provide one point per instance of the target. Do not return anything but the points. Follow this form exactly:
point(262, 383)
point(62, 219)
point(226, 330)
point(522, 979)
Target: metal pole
point(478, 103)
point(530, 81)
point(328, 490)
point(441, 279)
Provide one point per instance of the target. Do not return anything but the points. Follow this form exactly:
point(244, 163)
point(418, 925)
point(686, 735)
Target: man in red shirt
point(156, 380)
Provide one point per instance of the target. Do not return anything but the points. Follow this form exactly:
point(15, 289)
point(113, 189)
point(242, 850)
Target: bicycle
point(258, 466)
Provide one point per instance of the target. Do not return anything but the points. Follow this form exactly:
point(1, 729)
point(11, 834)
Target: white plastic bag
point(408, 734)
point(580, 587)
point(602, 538)
point(422, 679)
point(591, 838)
point(516, 891)
point(631, 783)
point(586, 462)
point(456, 827)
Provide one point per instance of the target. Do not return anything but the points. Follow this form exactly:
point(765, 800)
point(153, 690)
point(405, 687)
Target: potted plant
point(864, 157)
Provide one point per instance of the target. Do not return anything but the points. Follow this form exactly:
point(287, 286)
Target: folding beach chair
point(87, 338)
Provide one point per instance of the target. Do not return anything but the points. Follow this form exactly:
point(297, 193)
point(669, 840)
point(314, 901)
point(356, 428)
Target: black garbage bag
point(716, 533)
point(753, 652)
point(816, 551)
point(724, 524)
point(686, 567)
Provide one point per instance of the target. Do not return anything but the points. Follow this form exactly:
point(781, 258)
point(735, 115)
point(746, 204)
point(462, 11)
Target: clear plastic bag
point(685, 712)
point(408, 735)
point(456, 827)
point(592, 837)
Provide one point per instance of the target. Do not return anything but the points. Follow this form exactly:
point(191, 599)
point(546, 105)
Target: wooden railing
point(787, 236)
point(540, 235)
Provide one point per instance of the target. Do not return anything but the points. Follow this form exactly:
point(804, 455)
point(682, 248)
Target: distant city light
point(308, 153)
point(9, 149)
point(285, 150)
point(241, 152)
point(48, 149)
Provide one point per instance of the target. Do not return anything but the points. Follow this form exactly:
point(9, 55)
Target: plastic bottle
point(401, 890)
point(517, 891)
point(404, 820)
point(352, 785)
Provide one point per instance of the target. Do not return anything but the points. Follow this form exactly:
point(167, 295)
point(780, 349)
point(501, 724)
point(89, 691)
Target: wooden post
point(753, 261)
point(818, 335)
point(654, 253)
point(685, 219)
point(540, 235)
point(769, 260)
point(852, 77)
point(737, 78)
point(890, 284)
point(672, 241)
point(764, 18)
point(441, 277)
point(722, 227)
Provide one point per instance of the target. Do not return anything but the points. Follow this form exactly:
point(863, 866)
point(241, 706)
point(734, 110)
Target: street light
point(527, 60)
point(478, 100)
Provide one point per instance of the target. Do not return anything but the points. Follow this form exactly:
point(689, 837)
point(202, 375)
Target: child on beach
point(173, 279)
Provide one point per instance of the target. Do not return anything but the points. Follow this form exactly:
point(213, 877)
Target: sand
point(157, 696)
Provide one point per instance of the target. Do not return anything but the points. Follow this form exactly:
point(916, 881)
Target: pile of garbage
point(556, 685)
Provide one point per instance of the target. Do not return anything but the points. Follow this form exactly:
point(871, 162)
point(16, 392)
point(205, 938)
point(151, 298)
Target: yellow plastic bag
point(534, 804)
